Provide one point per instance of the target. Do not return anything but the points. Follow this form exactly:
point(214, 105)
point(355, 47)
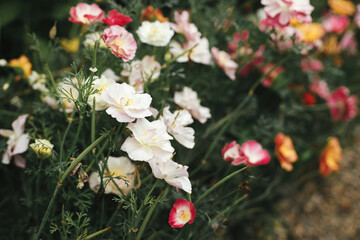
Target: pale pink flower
point(320, 87)
point(343, 106)
point(223, 59)
point(100, 84)
point(348, 43)
point(155, 33)
point(176, 125)
point(119, 173)
point(311, 65)
point(182, 212)
point(357, 16)
point(199, 54)
point(68, 94)
point(121, 42)
point(336, 24)
point(232, 153)
point(18, 141)
point(86, 14)
point(173, 173)
point(254, 153)
point(184, 26)
point(148, 140)
point(280, 12)
point(188, 99)
point(124, 104)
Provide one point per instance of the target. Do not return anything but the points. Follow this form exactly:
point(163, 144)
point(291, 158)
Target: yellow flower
point(331, 46)
point(42, 148)
point(294, 22)
point(342, 7)
point(71, 45)
point(311, 32)
point(330, 157)
point(285, 151)
point(23, 63)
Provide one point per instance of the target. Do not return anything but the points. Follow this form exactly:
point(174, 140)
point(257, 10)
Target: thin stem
point(218, 184)
point(97, 233)
point(65, 134)
point(72, 147)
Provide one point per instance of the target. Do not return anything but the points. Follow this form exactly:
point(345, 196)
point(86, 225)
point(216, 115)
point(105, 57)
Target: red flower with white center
point(255, 154)
point(86, 14)
point(116, 18)
point(182, 212)
point(342, 105)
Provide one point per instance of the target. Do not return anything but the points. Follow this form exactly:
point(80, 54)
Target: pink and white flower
point(342, 105)
point(311, 65)
point(182, 212)
point(173, 173)
point(184, 26)
point(176, 125)
point(269, 80)
point(100, 84)
point(255, 154)
point(148, 140)
point(86, 14)
point(223, 59)
point(18, 141)
point(336, 24)
point(139, 72)
point(155, 33)
point(116, 18)
point(232, 153)
point(124, 104)
point(280, 12)
point(357, 16)
point(121, 42)
point(188, 99)
point(120, 173)
point(348, 43)
point(321, 88)
point(199, 54)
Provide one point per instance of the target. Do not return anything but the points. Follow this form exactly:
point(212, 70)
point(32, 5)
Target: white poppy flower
point(100, 84)
point(155, 33)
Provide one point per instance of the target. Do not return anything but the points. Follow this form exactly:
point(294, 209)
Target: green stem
point(97, 233)
point(148, 215)
point(65, 134)
point(218, 184)
point(72, 147)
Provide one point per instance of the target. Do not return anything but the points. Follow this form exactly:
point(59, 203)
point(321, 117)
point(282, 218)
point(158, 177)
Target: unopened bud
point(42, 148)
point(52, 32)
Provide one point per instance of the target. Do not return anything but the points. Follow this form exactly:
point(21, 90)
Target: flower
point(70, 45)
point(320, 87)
point(108, 73)
point(116, 18)
point(121, 42)
point(232, 153)
point(86, 14)
point(336, 24)
point(149, 140)
point(92, 38)
point(224, 61)
point(151, 14)
point(199, 53)
point(311, 65)
point(269, 80)
point(182, 212)
point(255, 154)
point(23, 63)
point(310, 33)
point(357, 16)
point(155, 33)
point(342, 106)
point(308, 98)
point(330, 157)
point(18, 141)
point(280, 12)
point(184, 26)
point(124, 104)
point(118, 174)
point(348, 43)
point(176, 125)
point(38, 82)
point(3, 62)
point(285, 151)
point(42, 148)
point(139, 72)
point(188, 99)
point(331, 46)
point(68, 93)
point(342, 7)
point(173, 173)
point(100, 84)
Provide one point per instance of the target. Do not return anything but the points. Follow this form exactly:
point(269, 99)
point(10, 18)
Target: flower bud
point(42, 148)
point(52, 32)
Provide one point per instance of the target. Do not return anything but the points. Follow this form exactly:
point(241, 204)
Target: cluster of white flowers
point(38, 82)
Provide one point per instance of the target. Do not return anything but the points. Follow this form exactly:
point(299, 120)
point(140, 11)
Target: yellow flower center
point(184, 215)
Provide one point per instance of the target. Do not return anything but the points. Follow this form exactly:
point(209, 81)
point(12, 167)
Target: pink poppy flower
point(280, 12)
point(255, 154)
point(86, 14)
point(336, 24)
point(224, 61)
point(232, 153)
point(116, 18)
point(348, 43)
point(342, 105)
point(237, 37)
point(182, 212)
point(311, 65)
point(18, 142)
point(357, 16)
point(268, 81)
point(184, 26)
point(121, 42)
point(320, 87)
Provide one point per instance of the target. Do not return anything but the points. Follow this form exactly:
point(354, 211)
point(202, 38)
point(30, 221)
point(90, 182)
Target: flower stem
point(218, 184)
point(97, 233)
